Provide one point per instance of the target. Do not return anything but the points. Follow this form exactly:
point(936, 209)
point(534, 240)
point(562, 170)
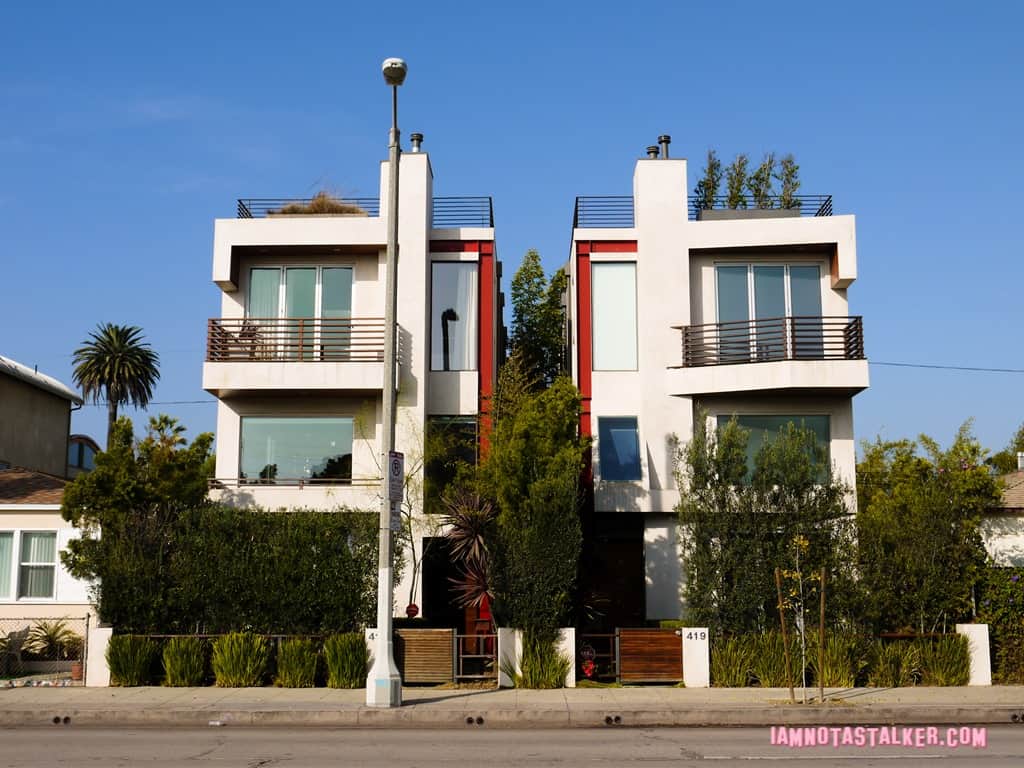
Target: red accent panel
point(582, 247)
point(488, 339)
point(584, 326)
point(455, 246)
point(613, 246)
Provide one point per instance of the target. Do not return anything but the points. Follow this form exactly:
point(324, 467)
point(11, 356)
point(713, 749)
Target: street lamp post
point(384, 683)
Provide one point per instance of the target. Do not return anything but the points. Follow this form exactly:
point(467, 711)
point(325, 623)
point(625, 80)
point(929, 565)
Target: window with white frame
point(753, 302)
point(306, 309)
point(28, 565)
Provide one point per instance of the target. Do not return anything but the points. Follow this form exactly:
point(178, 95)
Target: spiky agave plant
point(470, 521)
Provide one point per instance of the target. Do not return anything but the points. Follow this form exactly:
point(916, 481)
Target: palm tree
point(117, 364)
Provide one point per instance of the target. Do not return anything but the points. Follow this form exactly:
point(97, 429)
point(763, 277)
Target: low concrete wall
point(977, 643)
point(696, 657)
point(97, 673)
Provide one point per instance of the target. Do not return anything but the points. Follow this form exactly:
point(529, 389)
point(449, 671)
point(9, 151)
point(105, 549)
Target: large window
point(293, 449)
point(619, 448)
point(38, 568)
point(450, 448)
point(453, 316)
point(305, 309)
point(763, 429)
point(613, 290)
point(754, 299)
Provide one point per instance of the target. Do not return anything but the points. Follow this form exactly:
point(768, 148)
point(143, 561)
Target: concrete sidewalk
point(579, 707)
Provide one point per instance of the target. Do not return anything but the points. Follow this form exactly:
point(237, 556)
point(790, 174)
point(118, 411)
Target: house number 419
point(696, 635)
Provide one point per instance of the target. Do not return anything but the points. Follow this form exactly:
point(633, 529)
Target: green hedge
point(221, 569)
point(1001, 606)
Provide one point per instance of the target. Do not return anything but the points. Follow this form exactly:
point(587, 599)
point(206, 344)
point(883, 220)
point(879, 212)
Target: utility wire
point(948, 367)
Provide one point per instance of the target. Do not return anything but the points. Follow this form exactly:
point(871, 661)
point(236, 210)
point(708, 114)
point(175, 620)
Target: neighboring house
point(1003, 528)
point(676, 311)
point(82, 451)
point(296, 358)
point(35, 419)
point(33, 583)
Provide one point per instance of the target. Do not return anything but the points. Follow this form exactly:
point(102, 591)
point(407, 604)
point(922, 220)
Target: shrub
point(130, 659)
point(1001, 600)
point(945, 660)
point(542, 666)
point(322, 202)
point(732, 659)
point(184, 662)
point(846, 659)
point(769, 660)
point(52, 639)
point(894, 665)
point(348, 660)
point(239, 660)
point(296, 664)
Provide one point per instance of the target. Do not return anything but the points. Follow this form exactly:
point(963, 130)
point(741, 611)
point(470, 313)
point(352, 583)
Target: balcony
point(802, 353)
point(448, 212)
point(326, 494)
point(265, 354)
point(616, 211)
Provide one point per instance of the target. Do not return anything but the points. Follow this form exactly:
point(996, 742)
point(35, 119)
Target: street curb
point(589, 717)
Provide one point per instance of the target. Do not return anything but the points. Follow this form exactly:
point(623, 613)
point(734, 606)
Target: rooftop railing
point(773, 339)
point(463, 212)
point(616, 211)
point(447, 211)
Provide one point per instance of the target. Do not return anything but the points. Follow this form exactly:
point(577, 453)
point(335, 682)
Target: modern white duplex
point(296, 358)
point(676, 311)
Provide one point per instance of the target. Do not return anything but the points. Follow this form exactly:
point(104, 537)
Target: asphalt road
point(315, 747)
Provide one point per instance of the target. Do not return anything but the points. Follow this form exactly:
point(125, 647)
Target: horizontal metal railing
point(463, 212)
point(808, 205)
point(263, 207)
point(476, 656)
point(773, 339)
point(294, 339)
point(597, 211)
point(616, 211)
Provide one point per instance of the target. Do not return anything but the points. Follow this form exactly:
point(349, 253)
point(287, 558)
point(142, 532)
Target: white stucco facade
point(310, 380)
point(675, 261)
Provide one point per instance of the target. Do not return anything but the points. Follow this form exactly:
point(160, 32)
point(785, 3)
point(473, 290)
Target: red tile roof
point(23, 486)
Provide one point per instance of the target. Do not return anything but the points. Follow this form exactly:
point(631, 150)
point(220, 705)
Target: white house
point(674, 311)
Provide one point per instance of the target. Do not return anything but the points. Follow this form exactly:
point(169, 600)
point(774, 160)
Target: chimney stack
point(416, 139)
point(664, 140)
point(652, 152)
point(1020, 461)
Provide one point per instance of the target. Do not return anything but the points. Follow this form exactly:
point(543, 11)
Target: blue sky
point(126, 128)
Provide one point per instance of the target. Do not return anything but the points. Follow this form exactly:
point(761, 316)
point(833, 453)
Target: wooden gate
point(425, 655)
point(650, 656)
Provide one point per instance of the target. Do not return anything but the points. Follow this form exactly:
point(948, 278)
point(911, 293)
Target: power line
point(948, 367)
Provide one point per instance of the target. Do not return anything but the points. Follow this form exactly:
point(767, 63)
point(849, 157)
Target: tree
point(736, 182)
point(760, 182)
point(740, 523)
point(538, 319)
point(789, 179)
point(134, 496)
point(920, 550)
point(532, 474)
point(1005, 461)
point(707, 188)
point(118, 365)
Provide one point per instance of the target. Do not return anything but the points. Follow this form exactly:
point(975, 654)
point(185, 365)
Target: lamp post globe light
point(384, 683)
